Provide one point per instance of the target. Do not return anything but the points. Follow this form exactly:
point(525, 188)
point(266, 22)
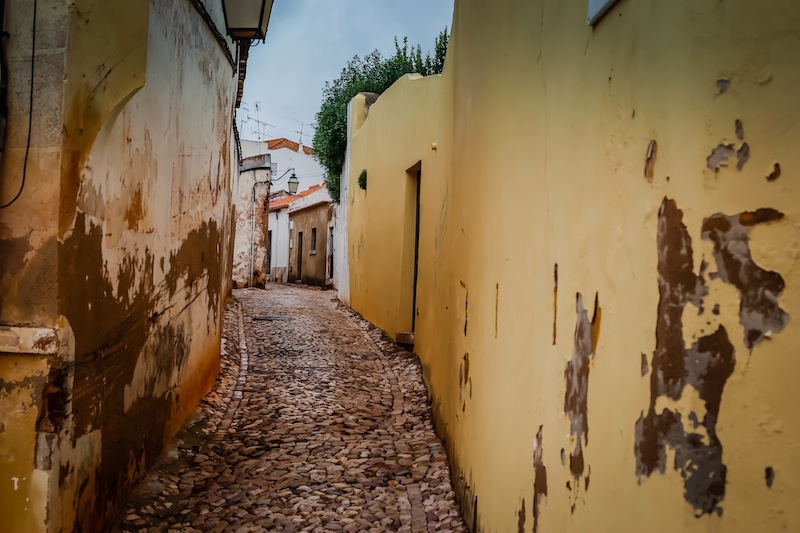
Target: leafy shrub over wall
point(372, 73)
point(362, 179)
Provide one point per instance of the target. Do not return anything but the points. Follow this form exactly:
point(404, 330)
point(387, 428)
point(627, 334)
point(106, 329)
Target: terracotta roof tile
point(274, 144)
point(287, 200)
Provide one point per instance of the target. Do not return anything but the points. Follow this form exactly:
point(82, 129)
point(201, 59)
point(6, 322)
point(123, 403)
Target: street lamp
point(293, 183)
point(246, 20)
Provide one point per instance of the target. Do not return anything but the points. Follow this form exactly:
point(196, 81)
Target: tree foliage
point(371, 73)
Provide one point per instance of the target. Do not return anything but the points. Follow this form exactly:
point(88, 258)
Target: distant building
point(311, 239)
point(286, 154)
point(278, 234)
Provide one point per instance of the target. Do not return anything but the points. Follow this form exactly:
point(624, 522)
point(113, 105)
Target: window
point(598, 8)
point(313, 240)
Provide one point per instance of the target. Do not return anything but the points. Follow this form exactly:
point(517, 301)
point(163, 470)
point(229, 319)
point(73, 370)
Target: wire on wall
point(30, 113)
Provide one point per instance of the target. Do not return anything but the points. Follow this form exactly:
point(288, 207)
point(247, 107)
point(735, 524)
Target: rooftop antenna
point(303, 125)
point(243, 114)
point(260, 124)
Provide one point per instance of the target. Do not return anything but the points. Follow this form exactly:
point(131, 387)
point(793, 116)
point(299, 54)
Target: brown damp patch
point(466, 312)
point(55, 396)
point(769, 476)
point(555, 302)
point(12, 255)
point(113, 331)
point(705, 366)
point(723, 84)
point(496, 307)
point(577, 379)
point(464, 380)
point(540, 478)
point(38, 283)
point(650, 160)
point(597, 318)
point(759, 311)
point(197, 258)
point(135, 211)
point(521, 516)
point(776, 172)
point(742, 156)
point(645, 365)
point(739, 129)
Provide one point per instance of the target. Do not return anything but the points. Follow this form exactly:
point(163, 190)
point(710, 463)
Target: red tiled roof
point(274, 144)
point(287, 200)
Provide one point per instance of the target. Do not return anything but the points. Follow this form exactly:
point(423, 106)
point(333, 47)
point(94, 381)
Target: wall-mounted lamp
point(293, 183)
point(247, 19)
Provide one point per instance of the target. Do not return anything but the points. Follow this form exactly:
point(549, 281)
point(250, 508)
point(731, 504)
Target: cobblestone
point(318, 422)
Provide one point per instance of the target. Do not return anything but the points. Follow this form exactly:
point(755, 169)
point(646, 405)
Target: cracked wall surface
point(649, 164)
point(116, 260)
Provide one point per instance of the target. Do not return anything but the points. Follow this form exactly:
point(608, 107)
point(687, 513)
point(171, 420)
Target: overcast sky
point(310, 41)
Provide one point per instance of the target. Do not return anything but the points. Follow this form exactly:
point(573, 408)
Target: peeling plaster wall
point(250, 247)
point(609, 239)
point(119, 250)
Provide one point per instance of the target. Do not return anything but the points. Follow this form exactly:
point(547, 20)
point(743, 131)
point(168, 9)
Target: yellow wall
point(542, 127)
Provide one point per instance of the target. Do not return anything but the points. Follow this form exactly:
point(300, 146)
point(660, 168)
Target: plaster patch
point(759, 289)
point(540, 478)
point(705, 366)
point(719, 156)
point(577, 378)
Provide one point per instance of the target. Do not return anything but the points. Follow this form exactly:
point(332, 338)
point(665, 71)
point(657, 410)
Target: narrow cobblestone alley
point(317, 423)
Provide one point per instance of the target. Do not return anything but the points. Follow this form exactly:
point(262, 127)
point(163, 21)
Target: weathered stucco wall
point(609, 239)
point(314, 259)
point(116, 258)
point(250, 245)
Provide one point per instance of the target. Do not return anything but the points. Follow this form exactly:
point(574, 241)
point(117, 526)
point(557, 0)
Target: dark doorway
point(330, 253)
point(416, 255)
point(300, 256)
point(269, 253)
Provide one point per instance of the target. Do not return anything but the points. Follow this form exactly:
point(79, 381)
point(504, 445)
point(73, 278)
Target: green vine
point(372, 73)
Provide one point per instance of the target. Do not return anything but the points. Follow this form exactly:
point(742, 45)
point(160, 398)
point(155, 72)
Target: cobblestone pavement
point(317, 423)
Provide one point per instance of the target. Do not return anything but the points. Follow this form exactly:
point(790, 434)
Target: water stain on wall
point(114, 329)
point(555, 302)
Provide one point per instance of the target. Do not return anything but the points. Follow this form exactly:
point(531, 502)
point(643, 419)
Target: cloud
point(308, 43)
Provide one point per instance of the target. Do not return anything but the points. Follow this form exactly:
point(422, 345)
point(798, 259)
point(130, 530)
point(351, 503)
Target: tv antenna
point(303, 126)
point(261, 126)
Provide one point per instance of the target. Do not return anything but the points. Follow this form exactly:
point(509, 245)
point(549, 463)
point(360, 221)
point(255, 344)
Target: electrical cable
point(30, 113)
